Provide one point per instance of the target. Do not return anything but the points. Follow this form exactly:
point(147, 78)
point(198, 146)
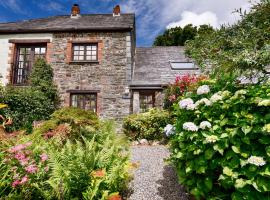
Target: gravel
point(154, 179)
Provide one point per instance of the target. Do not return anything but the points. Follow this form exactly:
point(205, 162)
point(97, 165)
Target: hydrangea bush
point(220, 147)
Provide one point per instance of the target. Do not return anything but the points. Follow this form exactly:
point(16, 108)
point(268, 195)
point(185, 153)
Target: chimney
point(75, 11)
point(116, 11)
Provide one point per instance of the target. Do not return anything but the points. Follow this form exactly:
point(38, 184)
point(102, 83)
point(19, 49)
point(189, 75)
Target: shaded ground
point(154, 179)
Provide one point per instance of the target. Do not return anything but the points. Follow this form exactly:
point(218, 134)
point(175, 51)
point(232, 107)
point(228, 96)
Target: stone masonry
point(109, 76)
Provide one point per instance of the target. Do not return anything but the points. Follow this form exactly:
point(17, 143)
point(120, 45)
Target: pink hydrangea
point(44, 157)
point(46, 168)
point(31, 169)
point(21, 157)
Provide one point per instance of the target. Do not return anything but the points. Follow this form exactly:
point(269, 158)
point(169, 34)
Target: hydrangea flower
point(205, 124)
point(185, 102)
point(190, 126)
point(256, 160)
point(169, 130)
point(191, 107)
point(16, 183)
point(211, 139)
point(215, 98)
point(265, 102)
point(266, 128)
point(204, 89)
point(203, 101)
point(240, 92)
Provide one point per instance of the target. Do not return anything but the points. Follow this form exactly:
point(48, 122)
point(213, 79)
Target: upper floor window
point(85, 52)
point(25, 58)
point(183, 65)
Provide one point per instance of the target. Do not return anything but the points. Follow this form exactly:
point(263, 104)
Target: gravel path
point(154, 179)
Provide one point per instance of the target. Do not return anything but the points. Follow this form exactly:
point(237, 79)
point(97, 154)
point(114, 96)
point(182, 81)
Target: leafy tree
point(178, 36)
point(240, 48)
point(41, 79)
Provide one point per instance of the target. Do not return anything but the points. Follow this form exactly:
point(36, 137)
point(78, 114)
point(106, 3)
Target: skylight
point(183, 65)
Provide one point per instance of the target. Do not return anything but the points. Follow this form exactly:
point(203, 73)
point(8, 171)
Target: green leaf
point(208, 183)
point(209, 154)
point(246, 129)
point(235, 149)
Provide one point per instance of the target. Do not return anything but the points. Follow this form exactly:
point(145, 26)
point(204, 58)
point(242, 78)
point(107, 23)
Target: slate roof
point(65, 23)
point(152, 65)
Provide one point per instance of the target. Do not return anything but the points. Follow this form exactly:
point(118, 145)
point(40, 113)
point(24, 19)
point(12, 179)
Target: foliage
point(33, 103)
point(181, 85)
point(240, 48)
point(91, 166)
point(148, 125)
point(41, 78)
point(221, 145)
point(69, 122)
point(25, 105)
point(178, 36)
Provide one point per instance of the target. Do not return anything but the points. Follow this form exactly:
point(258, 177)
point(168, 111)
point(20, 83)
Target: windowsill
point(84, 62)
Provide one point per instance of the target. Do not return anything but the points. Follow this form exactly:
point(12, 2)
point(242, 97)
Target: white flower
point(190, 126)
point(169, 130)
point(203, 101)
point(225, 93)
point(185, 102)
point(255, 160)
point(265, 102)
point(204, 89)
point(205, 124)
point(216, 97)
point(191, 106)
point(211, 139)
point(240, 92)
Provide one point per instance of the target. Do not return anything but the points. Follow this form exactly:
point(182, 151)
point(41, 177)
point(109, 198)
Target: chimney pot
point(116, 11)
point(75, 11)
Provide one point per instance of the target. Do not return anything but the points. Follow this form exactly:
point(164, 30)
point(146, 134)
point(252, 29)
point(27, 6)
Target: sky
point(152, 16)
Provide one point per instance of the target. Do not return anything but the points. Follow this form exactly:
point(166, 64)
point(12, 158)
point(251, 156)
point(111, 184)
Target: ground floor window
point(86, 101)
point(147, 100)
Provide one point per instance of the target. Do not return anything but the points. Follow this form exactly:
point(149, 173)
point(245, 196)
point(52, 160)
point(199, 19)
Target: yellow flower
point(3, 105)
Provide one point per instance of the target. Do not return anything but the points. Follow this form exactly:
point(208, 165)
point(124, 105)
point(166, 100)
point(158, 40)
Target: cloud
point(195, 19)
point(51, 6)
point(153, 16)
point(13, 5)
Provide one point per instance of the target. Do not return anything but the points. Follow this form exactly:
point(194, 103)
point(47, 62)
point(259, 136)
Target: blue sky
point(152, 16)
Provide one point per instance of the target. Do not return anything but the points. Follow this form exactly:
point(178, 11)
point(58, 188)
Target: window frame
point(85, 44)
point(147, 93)
point(83, 93)
point(16, 59)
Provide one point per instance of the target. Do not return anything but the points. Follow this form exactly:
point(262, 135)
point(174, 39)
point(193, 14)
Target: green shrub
point(33, 103)
point(69, 122)
point(25, 105)
point(147, 125)
point(221, 145)
point(92, 167)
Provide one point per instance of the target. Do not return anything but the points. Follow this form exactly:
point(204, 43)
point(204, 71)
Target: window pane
point(81, 57)
point(76, 58)
point(84, 101)
point(81, 53)
point(94, 53)
point(88, 57)
point(81, 48)
point(94, 47)
point(76, 47)
point(37, 50)
point(43, 50)
point(76, 52)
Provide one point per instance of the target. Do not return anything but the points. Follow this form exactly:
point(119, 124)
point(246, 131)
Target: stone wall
point(110, 76)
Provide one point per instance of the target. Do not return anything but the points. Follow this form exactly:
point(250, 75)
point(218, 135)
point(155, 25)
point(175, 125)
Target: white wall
point(4, 50)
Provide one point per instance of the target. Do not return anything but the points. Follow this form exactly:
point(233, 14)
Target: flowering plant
point(221, 147)
point(181, 85)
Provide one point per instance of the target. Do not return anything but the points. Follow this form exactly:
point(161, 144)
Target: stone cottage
point(95, 60)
